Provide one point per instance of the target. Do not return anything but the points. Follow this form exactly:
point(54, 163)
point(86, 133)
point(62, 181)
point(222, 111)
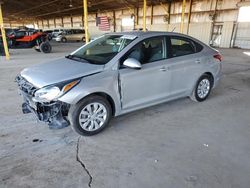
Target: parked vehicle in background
point(49, 34)
point(71, 35)
point(56, 32)
point(116, 74)
point(29, 38)
point(8, 31)
point(2, 52)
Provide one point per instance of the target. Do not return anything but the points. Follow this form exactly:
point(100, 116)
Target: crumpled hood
point(58, 70)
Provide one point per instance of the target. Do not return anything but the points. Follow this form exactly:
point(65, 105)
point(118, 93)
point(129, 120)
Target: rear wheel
point(203, 88)
point(45, 47)
point(90, 116)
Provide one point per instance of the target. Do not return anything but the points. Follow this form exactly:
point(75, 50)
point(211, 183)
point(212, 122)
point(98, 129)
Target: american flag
point(103, 23)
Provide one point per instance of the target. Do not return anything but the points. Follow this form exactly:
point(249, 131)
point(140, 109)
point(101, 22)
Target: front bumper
point(57, 39)
point(53, 113)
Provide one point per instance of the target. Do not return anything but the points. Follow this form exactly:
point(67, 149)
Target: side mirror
point(132, 63)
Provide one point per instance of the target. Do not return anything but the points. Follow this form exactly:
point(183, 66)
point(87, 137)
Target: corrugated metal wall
point(242, 39)
point(227, 34)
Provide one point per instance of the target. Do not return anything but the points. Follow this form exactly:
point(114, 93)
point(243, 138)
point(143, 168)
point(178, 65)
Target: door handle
point(198, 61)
point(163, 69)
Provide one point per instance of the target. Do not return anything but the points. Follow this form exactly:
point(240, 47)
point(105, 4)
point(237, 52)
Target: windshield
point(103, 49)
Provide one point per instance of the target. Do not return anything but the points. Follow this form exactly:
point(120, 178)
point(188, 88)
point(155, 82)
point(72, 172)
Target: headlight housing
point(50, 93)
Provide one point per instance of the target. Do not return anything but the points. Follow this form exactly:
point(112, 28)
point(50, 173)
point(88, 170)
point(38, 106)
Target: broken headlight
point(53, 92)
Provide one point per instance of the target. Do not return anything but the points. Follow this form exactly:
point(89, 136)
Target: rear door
point(80, 35)
point(71, 35)
point(184, 65)
point(151, 83)
point(75, 34)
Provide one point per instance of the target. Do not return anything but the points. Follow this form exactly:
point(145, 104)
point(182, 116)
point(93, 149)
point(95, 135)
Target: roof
point(156, 33)
point(147, 33)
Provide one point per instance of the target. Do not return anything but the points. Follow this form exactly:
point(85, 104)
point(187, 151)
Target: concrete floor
point(176, 145)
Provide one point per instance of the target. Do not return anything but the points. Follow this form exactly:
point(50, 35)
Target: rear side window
point(198, 47)
point(182, 46)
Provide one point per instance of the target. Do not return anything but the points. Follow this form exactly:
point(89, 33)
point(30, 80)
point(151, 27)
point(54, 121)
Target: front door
point(151, 83)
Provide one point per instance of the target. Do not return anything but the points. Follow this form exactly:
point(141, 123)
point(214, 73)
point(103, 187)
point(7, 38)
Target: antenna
point(173, 29)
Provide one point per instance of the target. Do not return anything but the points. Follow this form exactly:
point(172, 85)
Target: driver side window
point(148, 50)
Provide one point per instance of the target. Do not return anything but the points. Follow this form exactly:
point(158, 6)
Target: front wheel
point(203, 88)
point(90, 116)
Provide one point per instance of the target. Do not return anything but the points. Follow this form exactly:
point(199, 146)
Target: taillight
point(218, 57)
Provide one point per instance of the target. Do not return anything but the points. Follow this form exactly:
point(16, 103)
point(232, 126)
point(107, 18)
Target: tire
point(81, 111)
point(202, 88)
point(45, 47)
point(64, 40)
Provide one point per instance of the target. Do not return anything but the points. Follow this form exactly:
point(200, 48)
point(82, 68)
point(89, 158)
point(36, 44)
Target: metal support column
point(54, 23)
point(5, 44)
point(85, 11)
point(62, 21)
point(189, 15)
point(169, 11)
point(152, 15)
point(114, 17)
point(144, 14)
point(137, 18)
point(183, 15)
point(71, 21)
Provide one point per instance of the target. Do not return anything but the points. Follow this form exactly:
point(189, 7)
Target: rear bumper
point(218, 76)
point(217, 80)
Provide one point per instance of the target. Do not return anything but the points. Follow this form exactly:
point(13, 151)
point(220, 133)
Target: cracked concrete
point(176, 144)
point(78, 159)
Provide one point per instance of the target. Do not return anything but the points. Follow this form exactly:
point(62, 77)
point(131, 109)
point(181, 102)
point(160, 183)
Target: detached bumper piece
point(52, 113)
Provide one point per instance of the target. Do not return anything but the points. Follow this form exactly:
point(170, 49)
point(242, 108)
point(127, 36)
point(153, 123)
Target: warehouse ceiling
point(44, 9)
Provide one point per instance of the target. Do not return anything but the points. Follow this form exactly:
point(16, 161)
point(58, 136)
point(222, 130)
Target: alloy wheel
point(203, 88)
point(93, 116)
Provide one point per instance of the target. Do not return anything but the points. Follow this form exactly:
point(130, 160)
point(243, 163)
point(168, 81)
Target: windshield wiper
point(77, 58)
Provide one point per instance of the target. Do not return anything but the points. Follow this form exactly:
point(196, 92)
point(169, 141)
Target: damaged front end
point(54, 113)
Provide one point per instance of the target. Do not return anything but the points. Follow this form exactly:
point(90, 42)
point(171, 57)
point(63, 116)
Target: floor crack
point(78, 159)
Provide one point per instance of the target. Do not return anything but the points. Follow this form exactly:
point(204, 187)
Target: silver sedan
point(118, 73)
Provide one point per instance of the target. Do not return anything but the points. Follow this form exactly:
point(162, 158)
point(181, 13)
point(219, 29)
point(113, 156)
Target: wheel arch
point(105, 96)
point(211, 76)
point(198, 77)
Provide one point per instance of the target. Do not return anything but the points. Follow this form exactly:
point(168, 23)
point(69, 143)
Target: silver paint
point(130, 89)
